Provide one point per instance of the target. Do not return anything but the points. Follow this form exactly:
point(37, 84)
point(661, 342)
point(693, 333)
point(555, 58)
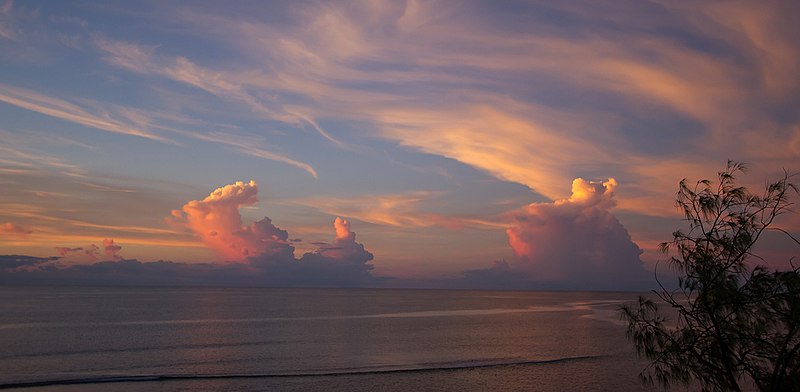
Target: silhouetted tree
point(737, 324)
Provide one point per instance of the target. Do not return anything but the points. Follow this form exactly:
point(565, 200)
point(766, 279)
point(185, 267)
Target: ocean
point(287, 339)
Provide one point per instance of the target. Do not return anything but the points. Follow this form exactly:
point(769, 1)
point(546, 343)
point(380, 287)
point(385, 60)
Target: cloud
point(9, 23)
point(111, 249)
point(64, 110)
point(499, 276)
point(496, 137)
point(17, 269)
point(134, 122)
point(533, 104)
point(265, 248)
point(10, 265)
point(344, 249)
point(576, 241)
point(399, 210)
point(537, 103)
point(90, 253)
point(29, 270)
point(142, 59)
point(216, 220)
point(250, 149)
point(573, 243)
point(343, 263)
point(12, 228)
point(63, 251)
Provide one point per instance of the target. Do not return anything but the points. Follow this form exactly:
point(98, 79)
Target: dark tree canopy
point(733, 322)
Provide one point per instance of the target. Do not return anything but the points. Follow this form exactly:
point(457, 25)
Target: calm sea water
point(234, 339)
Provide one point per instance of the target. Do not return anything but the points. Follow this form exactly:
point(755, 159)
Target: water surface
point(173, 339)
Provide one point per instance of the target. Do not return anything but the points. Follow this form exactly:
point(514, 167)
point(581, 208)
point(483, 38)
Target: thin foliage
point(737, 323)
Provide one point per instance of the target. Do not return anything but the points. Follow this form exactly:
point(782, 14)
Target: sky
point(504, 144)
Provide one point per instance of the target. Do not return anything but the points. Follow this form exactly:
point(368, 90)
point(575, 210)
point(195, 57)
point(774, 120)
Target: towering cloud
point(345, 248)
point(345, 261)
point(266, 249)
point(217, 221)
point(576, 240)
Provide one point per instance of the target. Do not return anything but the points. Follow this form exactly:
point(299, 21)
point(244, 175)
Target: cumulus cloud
point(576, 240)
point(217, 221)
point(343, 263)
point(14, 229)
point(266, 249)
point(345, 247)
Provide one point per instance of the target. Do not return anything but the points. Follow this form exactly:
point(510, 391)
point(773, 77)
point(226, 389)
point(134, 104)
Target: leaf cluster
point(736, 324)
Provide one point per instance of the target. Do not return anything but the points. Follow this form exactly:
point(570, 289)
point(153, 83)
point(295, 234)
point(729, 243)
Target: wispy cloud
point(249, 147)
point(645, 92)
point(17, 155)
point(536, 105)
point(403, 210)
point(64, 110)
point(142, 59)
point(134, 122)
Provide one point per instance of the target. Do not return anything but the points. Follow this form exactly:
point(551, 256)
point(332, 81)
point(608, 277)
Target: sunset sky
point(335, 142)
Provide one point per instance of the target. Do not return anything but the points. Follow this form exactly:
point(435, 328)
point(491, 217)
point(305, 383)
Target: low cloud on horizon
point(573, 243)
point(258, 254)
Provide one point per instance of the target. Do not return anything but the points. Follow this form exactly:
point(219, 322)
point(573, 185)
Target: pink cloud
point(14, 229)
point(266, 250)
point(92, 252)
point(217, 221)
point(576, 239)
point(111, 250)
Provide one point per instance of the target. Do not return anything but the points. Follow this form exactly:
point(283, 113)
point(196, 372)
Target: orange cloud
point(342, 228)
point(399, 210)
point(519, 143)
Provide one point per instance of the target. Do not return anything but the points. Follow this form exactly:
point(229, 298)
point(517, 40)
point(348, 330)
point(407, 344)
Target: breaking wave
point(413, 368)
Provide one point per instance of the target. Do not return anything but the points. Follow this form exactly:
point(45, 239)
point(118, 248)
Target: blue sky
point(436, 129)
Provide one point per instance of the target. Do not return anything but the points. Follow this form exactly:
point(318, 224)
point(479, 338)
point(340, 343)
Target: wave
point(414, 368)
point(593, 306)
point(421, 314)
